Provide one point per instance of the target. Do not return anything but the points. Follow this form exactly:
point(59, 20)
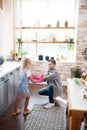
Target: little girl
point(23, 87)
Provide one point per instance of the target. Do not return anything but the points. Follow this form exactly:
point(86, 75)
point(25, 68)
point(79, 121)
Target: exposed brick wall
point(40, 67)
point(82, 33)
point(64, 68)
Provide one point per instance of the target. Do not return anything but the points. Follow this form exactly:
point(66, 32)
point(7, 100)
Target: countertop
point(76, 96)
point(8, 66)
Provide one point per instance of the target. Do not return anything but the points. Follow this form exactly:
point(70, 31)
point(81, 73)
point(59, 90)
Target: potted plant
point(19, 40)
point(71, 44)
point(76, 74)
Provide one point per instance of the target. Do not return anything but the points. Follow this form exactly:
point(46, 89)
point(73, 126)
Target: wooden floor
point(8, 122)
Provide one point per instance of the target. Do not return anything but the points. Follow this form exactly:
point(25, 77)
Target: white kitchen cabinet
point(11, 86)
point(8, 87)
point(16, 78)
point(3, 93)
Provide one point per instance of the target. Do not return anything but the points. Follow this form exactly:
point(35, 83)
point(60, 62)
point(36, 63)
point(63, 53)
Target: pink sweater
point(37, 79)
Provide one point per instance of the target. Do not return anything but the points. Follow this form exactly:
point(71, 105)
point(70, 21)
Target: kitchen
point(8, 39)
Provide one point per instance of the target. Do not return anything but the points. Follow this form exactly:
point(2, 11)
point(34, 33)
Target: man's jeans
point(48, 91)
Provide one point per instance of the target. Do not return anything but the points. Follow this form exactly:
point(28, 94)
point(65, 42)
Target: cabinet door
point(3, 94)
point(11, 87)
point(16, 78)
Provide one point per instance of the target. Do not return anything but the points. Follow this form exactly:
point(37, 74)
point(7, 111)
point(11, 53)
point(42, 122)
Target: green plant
point(71, 44)
point(71, 40)
point(19, 41)
point(25, 53)
point(76, 72)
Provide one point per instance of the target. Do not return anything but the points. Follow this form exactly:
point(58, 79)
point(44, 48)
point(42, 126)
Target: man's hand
point(44, 79)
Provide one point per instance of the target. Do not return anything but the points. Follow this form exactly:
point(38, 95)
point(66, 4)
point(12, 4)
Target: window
point(39, 14)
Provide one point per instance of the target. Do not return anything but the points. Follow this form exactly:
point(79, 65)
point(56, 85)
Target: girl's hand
point(31, 79)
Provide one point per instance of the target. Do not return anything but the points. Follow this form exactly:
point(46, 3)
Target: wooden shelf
point(20, 28)
point(43, 28)
point(56, 42)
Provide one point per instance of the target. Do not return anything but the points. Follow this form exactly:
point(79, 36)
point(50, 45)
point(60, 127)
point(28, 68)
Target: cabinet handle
point(7, 80)
point(17, 69)
point(2, 78)
point(11, 73)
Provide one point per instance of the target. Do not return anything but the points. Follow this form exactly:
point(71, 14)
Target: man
point(54, 87)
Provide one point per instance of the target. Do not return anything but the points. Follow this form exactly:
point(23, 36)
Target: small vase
point(47, 58)
point(66, 23)
point(58, 24)
point(40, 57)
point(71, 46)
point(20, 50)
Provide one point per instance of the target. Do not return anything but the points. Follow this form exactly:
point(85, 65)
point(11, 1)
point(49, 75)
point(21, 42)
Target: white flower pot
point(77, 80)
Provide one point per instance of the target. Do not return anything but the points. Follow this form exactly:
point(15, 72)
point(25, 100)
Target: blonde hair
point(24, 63)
